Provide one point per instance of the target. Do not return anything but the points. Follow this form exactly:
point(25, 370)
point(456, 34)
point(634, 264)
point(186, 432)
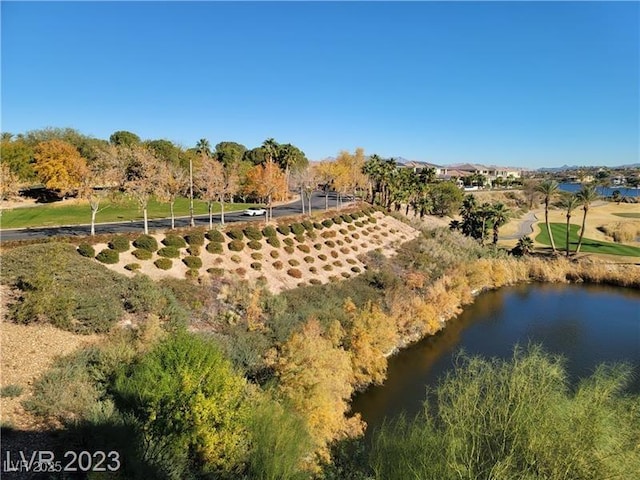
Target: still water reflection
point(587, 324)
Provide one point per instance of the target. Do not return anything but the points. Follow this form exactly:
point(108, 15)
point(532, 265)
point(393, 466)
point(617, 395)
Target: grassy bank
point(559, 232)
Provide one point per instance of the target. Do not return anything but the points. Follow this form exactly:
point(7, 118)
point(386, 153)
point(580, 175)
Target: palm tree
point(271, 148)
point(500, 215)
point(203, 148)
point(548, 188)
point(485, 212)
point(525, 245)
point(569, 203)
point(587, 195)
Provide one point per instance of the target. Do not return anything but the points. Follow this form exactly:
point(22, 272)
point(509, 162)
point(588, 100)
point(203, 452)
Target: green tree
point(124, 138)
point(256, 156)
point(499, 216)
point(229, 153)
point(587, 195)
point(444, 198)
point(18, 156)
point(59, 166)
point(569, 203)
point(165, 150)
point(548, 189)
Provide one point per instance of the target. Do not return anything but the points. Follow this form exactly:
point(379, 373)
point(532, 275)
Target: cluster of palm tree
point(569, 202)
point(477, 218)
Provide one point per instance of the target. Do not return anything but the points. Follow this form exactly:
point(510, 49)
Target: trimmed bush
point(194, 250)
point(119, 244)
point(337, 220)
point(297, 229)
point(328, 234)
point(235, 245)
point(334, 254)
point(373, 220)
point(241, 271)
point(215, 236)
point(309, 259)
point(345, 250)
point(235, 234)
point(214, 247)
point(318, 226)
point(174, 241)
point(273, 241)
point(195, 238)
point(169, 252)
point(351, 261)
point(215, 272)
point(192, 262)
point(365, 233)
point(289, 249)
point(256, 256)
point(146, 242)
point(337, 263)
point(132, 267)
point(278, 265)
point(315, 281)
point(269, 231)
point(288, 242)
point(293, 262)
point(254, 245)
point(163, 263)
point(351, 228)
point(256, 266)
point(354, 248)
point(345, 275)
point(330, 243)
point(355, 235)
point(348, 239)
point(322, 257)
point(339, 242)
point(304, 248)
point(312, 235)
point(284, 229)
point(252, 233)
point(317, 246)
point(294, 272)
point(327, 223)
point(108, 256)
point(192, 274)
point(236, 258)
point(300, 238)
point(142, 254)
point(274, 254)
point(327, 267)
point(358, 224)
point(86, 250)
point(343, 231)
point(355, 269)
point(313, 269)
point(308, 226)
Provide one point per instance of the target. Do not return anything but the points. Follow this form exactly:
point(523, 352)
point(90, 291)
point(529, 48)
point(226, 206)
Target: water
point(587, 324)
point(602, 191)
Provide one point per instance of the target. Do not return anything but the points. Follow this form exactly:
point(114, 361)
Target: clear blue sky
point(523, 84)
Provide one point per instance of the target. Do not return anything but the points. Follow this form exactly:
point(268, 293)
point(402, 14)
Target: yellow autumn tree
point(268, 182)
point(317, 378)
point(59, 166)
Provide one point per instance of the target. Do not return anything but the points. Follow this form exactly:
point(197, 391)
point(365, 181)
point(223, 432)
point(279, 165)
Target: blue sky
point(523, 84)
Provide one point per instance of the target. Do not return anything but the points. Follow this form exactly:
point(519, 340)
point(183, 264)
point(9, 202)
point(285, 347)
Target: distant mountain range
point(576, 167)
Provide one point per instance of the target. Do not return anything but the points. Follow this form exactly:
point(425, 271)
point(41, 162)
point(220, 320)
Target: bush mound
point(337, 263)
point(195, 238)
point(351, 228)
point(278, 265)
point(256, 265)
point(308, 226)
point(214, 247)
point(273, 241)
point(194, 250)
point(119, 244)
point(216, 272)
point(300, 238)
point(343, 231)
point(288, 242)
point(355, 269)
point(317, 246)
point(236, 245)
point(254, 245)
point(345, 275)
point(309, 259)
point(284, 229)
point(289, 249)
point(351, 261)
point(108, 256)
point(215, 236)
point(236, 258)
point(294, 272)
point(175, 241)
point(297, 229)
point(318, 226)
point(327, 267)
point(169, 252)
point(269, 231)
point(235, 234)
point(330, 243)
point(327, 223)
point(274, 254)
point(192, 262)
point(315, 281)
point(86, 250)
point(337, 220)
point(252, 233)
point(256, 256)
point(313, 269)
point(146, 242)
point(293, 262)
point(304, 248)
point(132, 267)
point(322, 257)
point(142, 254)
point(192, 274)
point(163, 263)
point(328, 234)
point(334, 254)
point(241, 271)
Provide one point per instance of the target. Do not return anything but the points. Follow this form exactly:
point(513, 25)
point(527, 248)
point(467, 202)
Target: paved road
point(525, 227)
point(294, 208)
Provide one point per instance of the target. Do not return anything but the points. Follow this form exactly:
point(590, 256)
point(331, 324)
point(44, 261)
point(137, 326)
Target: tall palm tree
point(203, 148)
point(587, 195)
point(548, 188)
point(569, 203)
point(270, 147)
point(500, 215)
point(485, 212)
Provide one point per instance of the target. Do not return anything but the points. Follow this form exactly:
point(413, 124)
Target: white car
point(253, 211)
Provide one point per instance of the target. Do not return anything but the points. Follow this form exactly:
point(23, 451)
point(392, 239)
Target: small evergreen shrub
point(192, 274)
point(365, 233)
point(327, 267)
point(132, 267)
point(195, 238)
point(334, 278)
point(284, 229)
point(256, 265)
point(11, 391)
point(218, 261)
point(322, 257)
point(294, 272)
point(142, 254)
point(304, 248)
point(317, 246)
point(215, 236)
point(236, 258)
point(192, 262)
point(86, 250)
point(297, 229)
point(313, 270)
point(334, 254)
point(194, 250)
point(274, 254)
point(373, 220)
point(214, 247)
point(337, 263)
point(339, 242)
point(328, 234)
point(315, 281)
point(235, 234)
point(344, 250)
point(254, 245)
point(301, 284)
point(252, 233)
point(256, 256)
point(337, 220)
point(355, 235)
point(351, 261)
point(215, 272)
point(364, 245)
point(174, 241)
point(235, 245)
point(300, 238)
point(318, 226)
point(288, 242)
point(358, 224)
point(169, 252)
point(273, 241)
point(119, 244)
point(269, 231)
point(308, 226)
point(312, 235)
point(327, 223)
point(146, 242)
point(277, 265)
point(293, 262)
point(309, 259)
point(345, 275)
point(289, 249)
point(384, 234)
point(241, 271)
point(343, 231)
point(330, 243)
point(163, 263)
point(355, 269)
point(348, 239)
point(108, 256)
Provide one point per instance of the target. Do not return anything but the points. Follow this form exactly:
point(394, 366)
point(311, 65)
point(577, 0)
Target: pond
point(587, 324)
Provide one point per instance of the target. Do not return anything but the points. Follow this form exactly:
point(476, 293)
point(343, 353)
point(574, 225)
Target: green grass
point(627, 215)
point(79, 213)
point(559, 232)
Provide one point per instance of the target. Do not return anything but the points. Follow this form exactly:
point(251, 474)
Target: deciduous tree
point(267, 182)
point(59, 166)
point(215, 183)
point(173, 184)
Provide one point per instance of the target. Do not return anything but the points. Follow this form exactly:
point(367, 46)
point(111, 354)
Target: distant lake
point(603, 191)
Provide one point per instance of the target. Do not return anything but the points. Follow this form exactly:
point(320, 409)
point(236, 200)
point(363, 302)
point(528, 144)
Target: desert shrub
point(355, 269)
point(330, 243)
point(108, 256)
point(327, 223)
point(318, 226)
point(216, 272)
point(256, 265)
point(176, 241)
point(392, 230)
point(163, 263)
point(355, 235)
point(308, 226)
point(354, 248)
point(373, 220)
point(215, 236)
point(289, 249)
point(328, 234)
point(337, 263)
point(337, 220)
point(339, 242)
point(278, 265)
point(384, 233)
point(241, 271)
point(194, 250)
point(254, 245)
point(345, 275)
point(86, 250)
point(132, 267)
point(142, 254)
point(293, 262)
point(304, 248)
point(346, 218)
point(312, 235)
point(269, 231)
point(351, 228)
point(235, 245)
point(327, 267)
point(192, 262)
point(195, 238)
point(315, 281)
point(235, 234)
point(169, 252)
point(252, 233)
point(297, 229)
point(284, 229)
point(358, 224)
point(218, 260)
point(334, 254)
point(146, 242)
point(288, 242)
point(274, 254)
point(192, 274)
point(256, 256)
point(322, 257)
point(294, 272)
point(334, 278)
point(351, 261)
point(348, 239)
point(300, 238)
point(119, 243)
point(365, 233)
point(309, 259)
point(11, 391)
point(364, 245)
point(343, 231)
point(313, 269)
point(317, 246)
point(236, 258)
point(273, 241)
point(214, 247)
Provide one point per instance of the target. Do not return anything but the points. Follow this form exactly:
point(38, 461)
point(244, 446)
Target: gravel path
point(525, 227)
